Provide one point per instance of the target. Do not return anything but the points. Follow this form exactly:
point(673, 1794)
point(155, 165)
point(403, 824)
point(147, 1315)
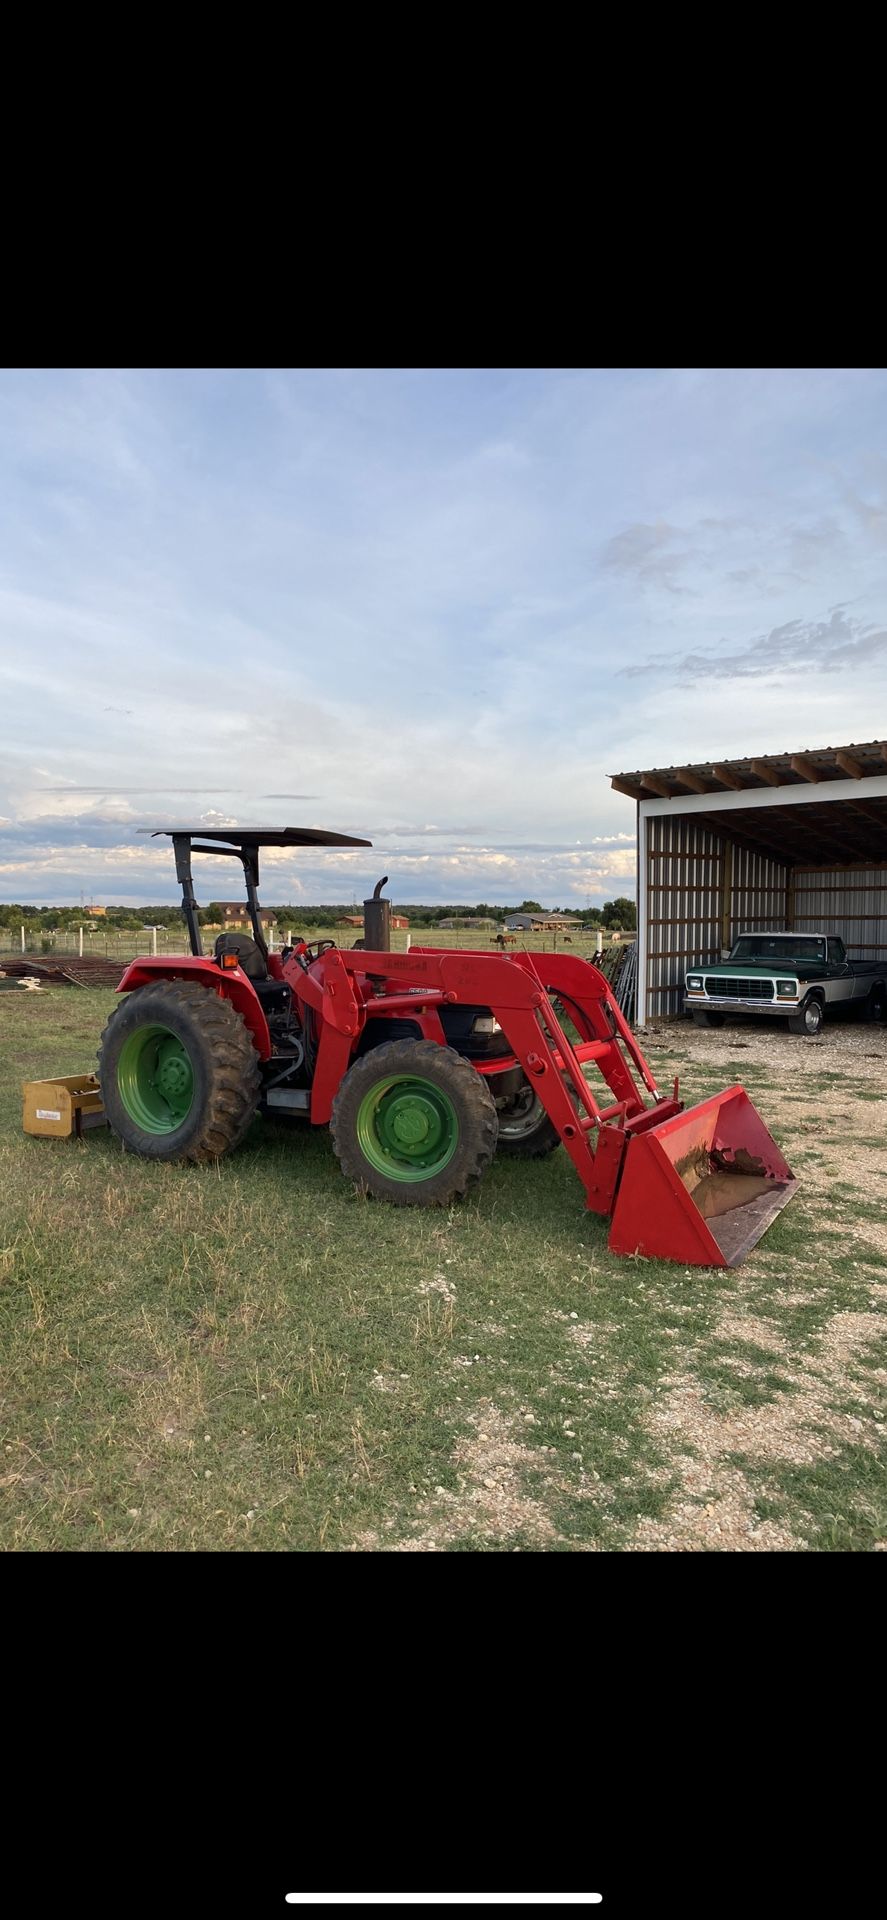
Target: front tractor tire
point(414, 1123)
point(178, 1072)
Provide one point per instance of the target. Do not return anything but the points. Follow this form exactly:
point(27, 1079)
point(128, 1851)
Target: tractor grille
point(733, 989)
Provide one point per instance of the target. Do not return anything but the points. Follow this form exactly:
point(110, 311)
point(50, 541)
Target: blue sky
point(436, 608)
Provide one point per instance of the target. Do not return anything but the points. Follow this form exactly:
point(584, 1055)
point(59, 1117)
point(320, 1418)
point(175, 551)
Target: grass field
point(120, 945)
point(250, 1357)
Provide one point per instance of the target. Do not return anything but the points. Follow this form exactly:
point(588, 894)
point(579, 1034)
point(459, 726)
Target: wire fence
point(116, 946)
point(124, 944)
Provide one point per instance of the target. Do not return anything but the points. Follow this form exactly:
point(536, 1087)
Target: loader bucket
point(701, 1187)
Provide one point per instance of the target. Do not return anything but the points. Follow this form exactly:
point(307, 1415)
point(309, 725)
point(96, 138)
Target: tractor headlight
point(787, 989)
point(485, 1023)
point(694, 983)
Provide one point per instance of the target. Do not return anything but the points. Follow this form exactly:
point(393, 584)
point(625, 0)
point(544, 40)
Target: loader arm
point(350, 987)
point(699, 1185)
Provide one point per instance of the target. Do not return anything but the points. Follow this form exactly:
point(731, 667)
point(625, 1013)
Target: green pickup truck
point(796, 977)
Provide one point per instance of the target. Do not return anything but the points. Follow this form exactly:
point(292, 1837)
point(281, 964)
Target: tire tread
point(234, 1076)
point(425, 1059)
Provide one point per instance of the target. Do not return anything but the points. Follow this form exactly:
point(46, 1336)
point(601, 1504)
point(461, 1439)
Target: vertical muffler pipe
point(377, 920)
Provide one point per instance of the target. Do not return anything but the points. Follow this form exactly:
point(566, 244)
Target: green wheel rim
point(155, 1079)
point(407, 1128)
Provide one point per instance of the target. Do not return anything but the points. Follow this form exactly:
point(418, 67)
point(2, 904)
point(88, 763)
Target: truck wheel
point(414, 1123)
point(808, 1019)
point(178, 1072)
point(526, 1131)
point(876, 1005)
point(703, 1019)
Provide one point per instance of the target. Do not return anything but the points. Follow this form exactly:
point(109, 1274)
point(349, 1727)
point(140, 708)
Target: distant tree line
point(620, 913)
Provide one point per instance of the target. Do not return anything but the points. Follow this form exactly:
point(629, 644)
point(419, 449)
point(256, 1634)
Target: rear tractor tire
point(808, 1019)
point(414, 1123)
point(526, 1131)
point(178, 1072)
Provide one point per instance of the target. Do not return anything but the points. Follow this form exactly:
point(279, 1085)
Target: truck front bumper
point(706, 1003)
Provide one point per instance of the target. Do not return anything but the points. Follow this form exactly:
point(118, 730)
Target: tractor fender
point(231, 984)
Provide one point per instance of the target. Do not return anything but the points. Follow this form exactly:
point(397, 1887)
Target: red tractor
point(423, 1064)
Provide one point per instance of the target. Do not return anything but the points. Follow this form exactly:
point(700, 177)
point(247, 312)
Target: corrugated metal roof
point(805, 764)
point(845, 831)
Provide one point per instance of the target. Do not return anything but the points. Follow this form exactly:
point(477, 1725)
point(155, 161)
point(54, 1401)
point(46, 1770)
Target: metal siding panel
point(848, 901)
point(759, 892)
point(683, 905)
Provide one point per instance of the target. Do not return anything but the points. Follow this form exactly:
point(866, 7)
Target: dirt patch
point(750, 1329)
point(490, 1499)
point(383, 1381)
point(722, 1522)
point(819, 1095)
point(715, 1510)
point(438, 1284)
point(584, 1333)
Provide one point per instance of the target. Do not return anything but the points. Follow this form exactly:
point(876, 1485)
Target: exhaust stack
point(377, 920)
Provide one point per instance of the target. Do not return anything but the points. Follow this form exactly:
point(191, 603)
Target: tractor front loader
point(423, 1064)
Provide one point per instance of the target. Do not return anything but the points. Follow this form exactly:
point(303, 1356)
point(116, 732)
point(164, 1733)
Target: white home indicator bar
point(444, 1899)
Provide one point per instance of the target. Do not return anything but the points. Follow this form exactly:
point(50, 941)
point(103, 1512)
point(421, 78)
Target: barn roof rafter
point(814, 765)
point(754, 800)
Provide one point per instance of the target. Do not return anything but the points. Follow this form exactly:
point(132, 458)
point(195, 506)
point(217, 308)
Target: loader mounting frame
point(636, 1161)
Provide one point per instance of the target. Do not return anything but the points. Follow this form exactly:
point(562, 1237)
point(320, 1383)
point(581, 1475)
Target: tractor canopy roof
point(261, 836)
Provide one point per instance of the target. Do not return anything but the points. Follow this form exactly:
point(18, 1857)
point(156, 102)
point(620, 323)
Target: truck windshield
point(781, 951)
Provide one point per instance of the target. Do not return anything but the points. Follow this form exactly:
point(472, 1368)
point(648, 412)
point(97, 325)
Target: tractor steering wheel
point(322, 946)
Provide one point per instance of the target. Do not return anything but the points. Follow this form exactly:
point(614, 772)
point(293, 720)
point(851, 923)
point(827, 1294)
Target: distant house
point(538, 922)
point(398, 921)
point(356, 920)
point(236, 914)
point(96, 913)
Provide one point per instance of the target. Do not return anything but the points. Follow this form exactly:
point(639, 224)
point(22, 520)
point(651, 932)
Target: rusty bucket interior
point(703, 1186)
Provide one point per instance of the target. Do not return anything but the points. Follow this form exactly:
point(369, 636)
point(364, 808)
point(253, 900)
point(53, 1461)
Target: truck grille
point(734, 989)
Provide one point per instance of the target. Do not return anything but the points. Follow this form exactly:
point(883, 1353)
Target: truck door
point(843, 984)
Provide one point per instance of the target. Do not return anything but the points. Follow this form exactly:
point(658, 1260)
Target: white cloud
point(410, 596)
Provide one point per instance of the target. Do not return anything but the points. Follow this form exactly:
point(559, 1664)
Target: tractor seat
point(249, 955)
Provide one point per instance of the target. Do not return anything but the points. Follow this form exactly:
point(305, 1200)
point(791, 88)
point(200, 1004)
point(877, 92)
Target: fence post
point(80, 947)
point(599, 943)
point(23, 939)
point(154, 940)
